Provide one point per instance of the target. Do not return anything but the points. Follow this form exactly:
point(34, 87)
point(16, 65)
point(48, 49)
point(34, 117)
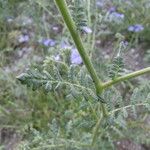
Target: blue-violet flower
point(136, 28)
point(48, 42)
point(75, 57)
point(23, 38)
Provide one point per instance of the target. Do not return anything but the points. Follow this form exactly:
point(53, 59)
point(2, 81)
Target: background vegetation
point(33, 35)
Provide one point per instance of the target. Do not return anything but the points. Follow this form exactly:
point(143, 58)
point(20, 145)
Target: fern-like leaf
point(116, 68)
point(79, 17)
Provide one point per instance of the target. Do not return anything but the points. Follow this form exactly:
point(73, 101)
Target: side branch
point(126, 77)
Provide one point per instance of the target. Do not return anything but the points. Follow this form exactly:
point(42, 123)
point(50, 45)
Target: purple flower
point(115, 17)
point(23, 38)
point(136, 28)
point(139, 28)
point(118, 15)
point(75, 57)
point(131, 28)
point(112, 9)
point(100, 4)
point(48, 42)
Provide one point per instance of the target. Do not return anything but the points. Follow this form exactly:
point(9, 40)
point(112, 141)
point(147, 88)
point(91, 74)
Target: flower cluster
point(75, 57)
point(118, 15)
point(114, 15)
point(136, 28)
point(48, 42)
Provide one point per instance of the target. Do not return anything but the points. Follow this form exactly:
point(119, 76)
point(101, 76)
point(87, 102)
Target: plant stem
point(96, 128)
point(62, 6)
point(99, 85)
point(126, 107)
point(126, 77)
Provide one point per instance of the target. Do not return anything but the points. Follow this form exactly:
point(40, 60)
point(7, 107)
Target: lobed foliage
point(59, 76)
point(59, 109)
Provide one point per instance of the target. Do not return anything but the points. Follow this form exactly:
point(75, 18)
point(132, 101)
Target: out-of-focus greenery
point(45, 119)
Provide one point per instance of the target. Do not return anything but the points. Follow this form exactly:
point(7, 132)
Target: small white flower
point(57, 57)
point(86, 29)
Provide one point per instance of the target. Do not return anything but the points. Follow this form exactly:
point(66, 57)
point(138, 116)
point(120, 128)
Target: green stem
point(96, 128)
point(126, 107)
point(62, 6)
point(99, 85)
point(126, 77)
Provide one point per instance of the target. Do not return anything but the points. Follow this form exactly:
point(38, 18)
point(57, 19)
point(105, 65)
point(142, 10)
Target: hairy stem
point(126, 77)
point(62, 6)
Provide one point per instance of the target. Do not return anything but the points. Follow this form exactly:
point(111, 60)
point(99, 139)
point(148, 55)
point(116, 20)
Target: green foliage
point(7, 14)
point(57, 75)
point(77, 84)
point(60, 108)
point(79, 15)
point(116, 68)
point(75, 129)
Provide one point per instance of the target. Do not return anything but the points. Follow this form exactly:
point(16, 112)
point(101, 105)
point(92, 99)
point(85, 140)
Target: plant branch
point(126, 77)
point(62, 6)
point(96, 128)
point(126, 107)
